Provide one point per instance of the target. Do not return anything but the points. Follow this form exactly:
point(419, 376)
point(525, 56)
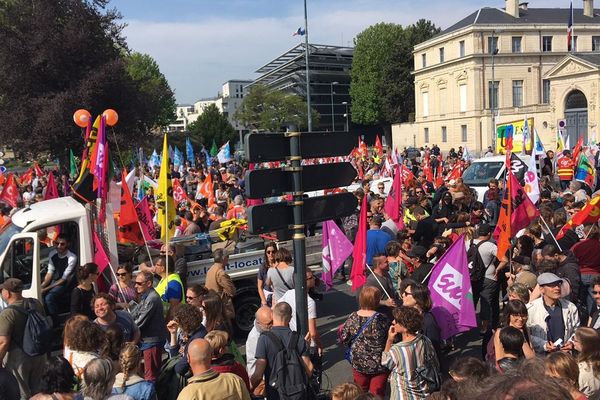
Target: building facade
point(228, 101)
point(498, 66)
point(329, 70)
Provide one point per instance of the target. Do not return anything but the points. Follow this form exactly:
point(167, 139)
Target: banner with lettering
point(514, 130)
point(145, 216)
point(451, 294)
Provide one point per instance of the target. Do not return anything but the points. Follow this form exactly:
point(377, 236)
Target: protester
point(364, 332)
point(106, 316)
point(563, 366)
point(594, 321)
point(195, 294)
point(214, 313)
point(262, 323)
point(587, 343)
point(411, 353)
point(127, 381)
point(56, 381)
point(266, 292)
point(123, 291)
point(82, 295)
point(281, 278)
point(26, 368)
point(61, 266)
point(98, 380)
point(170, 286)
point(381, 279)
point(417, 296)
point(85, 343)
point(514, 315)
point(346, 391)
point(223, 361)
point(218, 281)
point(148, 316)
point(206, 383)
point(183, 329)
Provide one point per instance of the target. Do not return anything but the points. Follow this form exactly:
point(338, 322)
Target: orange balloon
point(82, 117)
point(111, 117)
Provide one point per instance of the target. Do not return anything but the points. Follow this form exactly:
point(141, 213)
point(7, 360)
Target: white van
point(479, 173)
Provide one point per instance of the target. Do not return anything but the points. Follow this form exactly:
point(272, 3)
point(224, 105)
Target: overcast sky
point(200, 44)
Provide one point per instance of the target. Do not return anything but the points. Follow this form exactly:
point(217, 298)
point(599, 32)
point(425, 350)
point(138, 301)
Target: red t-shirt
point(588, 256)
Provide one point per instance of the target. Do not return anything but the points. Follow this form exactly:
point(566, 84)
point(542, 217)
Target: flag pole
point(551, 234)
point(378, 281)
point(306, 56)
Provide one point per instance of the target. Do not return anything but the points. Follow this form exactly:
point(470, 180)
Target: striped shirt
point(403, 359)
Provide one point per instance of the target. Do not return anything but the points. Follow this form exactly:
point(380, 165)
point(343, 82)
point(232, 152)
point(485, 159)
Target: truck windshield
point(480, 173)
point(7, 233)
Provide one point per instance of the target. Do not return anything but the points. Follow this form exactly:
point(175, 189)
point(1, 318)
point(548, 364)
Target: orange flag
point(503, 229)
point(589, 214)
point(207, 189)
point(129, 229)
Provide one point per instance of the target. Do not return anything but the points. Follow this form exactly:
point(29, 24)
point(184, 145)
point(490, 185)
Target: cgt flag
point(589, 214)
point(336, 249)
point(451, 294)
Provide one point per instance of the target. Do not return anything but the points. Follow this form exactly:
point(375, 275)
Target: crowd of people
point(150, 335)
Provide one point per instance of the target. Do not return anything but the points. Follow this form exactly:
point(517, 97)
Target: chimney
point(512, 8)
point(588, 8)
point(523, 6)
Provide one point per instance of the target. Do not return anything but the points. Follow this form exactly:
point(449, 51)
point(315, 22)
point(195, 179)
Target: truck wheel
point(245, 308)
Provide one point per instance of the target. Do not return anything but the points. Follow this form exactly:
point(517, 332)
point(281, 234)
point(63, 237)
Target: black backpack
point(288, 373)
point(37, 334)
point(476, 265)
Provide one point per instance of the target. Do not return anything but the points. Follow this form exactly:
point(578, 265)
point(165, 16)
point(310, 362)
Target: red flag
point(523, 209)
point(128, 214)
point(100, 257)
point(589, 214)
point(145, 218)
point(10, 193)
point(577, 150)
point(503, 229)
point(407, 174)
point(37, 169)
point(378, 146)
point(179, 193)
point(26, 177)
point(427, 168)
point(359, 168)
point(206, 188)
point(51, 189)
point(456, 172)
point(359, 253)
point(439, 176)
point(393, 202)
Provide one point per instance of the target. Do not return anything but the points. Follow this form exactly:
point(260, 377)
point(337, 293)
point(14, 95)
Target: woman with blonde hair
point(128, 381)
point(587, 343)
point(223, 361)
point(346, 391)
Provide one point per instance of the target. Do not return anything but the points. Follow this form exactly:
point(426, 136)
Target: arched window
point(575, 100)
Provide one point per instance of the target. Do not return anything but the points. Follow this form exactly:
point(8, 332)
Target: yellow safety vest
point(161, 289)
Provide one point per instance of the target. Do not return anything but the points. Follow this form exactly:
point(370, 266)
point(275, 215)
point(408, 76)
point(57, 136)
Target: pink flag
point(523, 209)
point(100, 257)
point(145, 218)
point(451, 294)
point(393, 202)
point(51, 189)
point(336, 249)
point(359, 253)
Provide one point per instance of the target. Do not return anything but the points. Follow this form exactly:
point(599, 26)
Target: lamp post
point(332, 115)
point(345, 103)
point(493, 104)
point(308, 106)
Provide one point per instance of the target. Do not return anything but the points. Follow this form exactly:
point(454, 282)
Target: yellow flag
point(90, 147)
point(164, 197)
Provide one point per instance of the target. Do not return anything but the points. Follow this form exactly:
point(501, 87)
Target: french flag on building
point(302, 32)
point(570, 37)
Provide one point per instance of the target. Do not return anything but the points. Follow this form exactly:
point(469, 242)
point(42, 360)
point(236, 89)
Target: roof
point(592, 58)
point(293, 59)
point(497, 16)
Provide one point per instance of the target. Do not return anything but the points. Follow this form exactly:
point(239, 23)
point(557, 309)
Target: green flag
point(73, 162)
point(214, 150)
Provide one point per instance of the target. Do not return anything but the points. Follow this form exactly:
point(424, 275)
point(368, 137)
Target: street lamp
point(332, 115)
point(346, 115)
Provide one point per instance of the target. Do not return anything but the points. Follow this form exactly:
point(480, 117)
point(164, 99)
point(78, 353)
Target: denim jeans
point(53, 299)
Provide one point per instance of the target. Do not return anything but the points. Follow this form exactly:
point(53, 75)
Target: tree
point(61, 55)
point(156, 95)
point(382, 86)
point(264, 109)
point(212, 125)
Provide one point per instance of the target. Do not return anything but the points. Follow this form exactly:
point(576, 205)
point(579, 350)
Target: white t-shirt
point(290, 298)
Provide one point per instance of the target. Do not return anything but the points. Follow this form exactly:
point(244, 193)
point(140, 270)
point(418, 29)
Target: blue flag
point(154, 160)
point(207, 157)
point(189, 152)
point(178, 158)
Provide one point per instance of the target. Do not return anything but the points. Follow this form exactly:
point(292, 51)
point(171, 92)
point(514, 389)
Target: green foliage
point(61, 55)
point(158, 99)
point(382, 86)
point(212, 125)
point(270, 110)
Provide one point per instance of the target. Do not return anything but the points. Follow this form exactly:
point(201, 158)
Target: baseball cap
point(547, 278)
point(12, 285)
point(526, 278)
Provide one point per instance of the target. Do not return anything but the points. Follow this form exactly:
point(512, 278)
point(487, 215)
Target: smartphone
point(558, 343)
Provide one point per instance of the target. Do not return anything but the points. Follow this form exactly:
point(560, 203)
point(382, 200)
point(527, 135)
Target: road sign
point(2, 169)
point(273, 216)
point(261, 147)
point(276, 181)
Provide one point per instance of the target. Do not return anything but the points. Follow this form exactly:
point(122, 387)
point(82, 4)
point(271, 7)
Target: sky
point(201, 44)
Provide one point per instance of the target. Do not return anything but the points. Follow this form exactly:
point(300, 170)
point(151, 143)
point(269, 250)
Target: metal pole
point(332, 115)
point(299, 244)
point(306, 56)
point(493, 102)
point(346, 115)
